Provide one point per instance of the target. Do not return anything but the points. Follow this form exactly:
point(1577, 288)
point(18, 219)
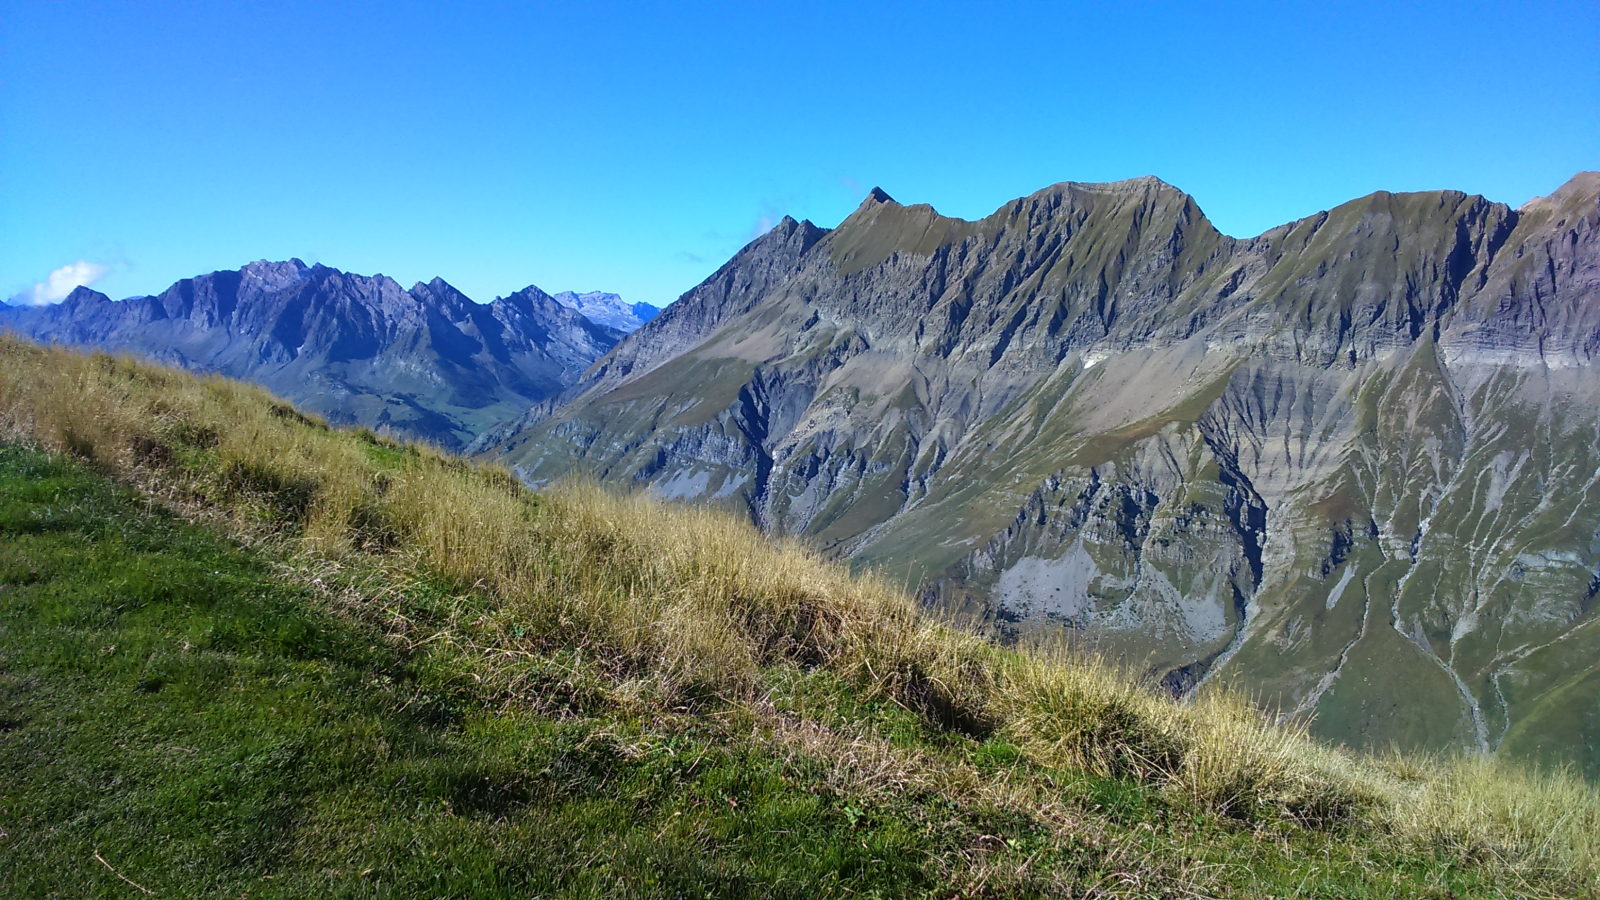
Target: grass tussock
point(684, 609)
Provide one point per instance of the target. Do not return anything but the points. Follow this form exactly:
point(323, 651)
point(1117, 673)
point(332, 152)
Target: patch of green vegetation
point(712, 383)
point(169, 707)
point(914, 230)
point(385, 451)
point(1561, 728)
point(176, 715)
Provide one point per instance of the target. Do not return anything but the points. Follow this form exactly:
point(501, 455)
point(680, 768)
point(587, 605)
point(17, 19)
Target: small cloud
point(58, 284)
point(686, 256)
point(855, 187)
point(770, 216)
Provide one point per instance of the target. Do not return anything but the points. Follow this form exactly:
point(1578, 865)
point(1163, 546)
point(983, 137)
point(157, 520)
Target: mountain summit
point(608, 309)
point(1348, 464)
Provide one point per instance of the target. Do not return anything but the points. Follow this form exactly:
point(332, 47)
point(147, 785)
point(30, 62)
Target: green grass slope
point(242, 654)
point(172, 708)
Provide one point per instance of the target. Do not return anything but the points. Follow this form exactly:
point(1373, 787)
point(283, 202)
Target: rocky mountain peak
point(533, 298)
point(276, 275)
point(82, 295)
point(1140, 183)
point(438, 287)
point(442, 295)
point(876, 196)
point(608, 309)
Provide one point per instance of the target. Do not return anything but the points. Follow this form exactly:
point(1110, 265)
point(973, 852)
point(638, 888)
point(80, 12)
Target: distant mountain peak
point(291, 267)
point(607, 309)
point(85, 294)
point(276, 275)
point(438, 287)
point(1144, 181)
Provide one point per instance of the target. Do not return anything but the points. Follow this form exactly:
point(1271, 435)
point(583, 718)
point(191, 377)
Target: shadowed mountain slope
point(1349, 464)
point(427, 362)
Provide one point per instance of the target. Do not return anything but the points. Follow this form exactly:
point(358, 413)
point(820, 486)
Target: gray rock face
point(608, 309)
point(425, 363)
point(1349, 464)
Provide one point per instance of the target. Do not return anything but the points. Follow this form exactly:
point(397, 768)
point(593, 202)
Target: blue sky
point(634, 147)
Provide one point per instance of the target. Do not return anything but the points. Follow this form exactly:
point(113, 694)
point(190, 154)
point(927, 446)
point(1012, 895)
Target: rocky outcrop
point(1348, 465)
point(425, 362)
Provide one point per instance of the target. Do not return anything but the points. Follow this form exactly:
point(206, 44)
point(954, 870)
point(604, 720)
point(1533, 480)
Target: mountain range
point(1350, 465)
point(424, 363)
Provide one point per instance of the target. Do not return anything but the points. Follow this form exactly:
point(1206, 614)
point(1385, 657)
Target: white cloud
point(58, 284)
point(770, 216)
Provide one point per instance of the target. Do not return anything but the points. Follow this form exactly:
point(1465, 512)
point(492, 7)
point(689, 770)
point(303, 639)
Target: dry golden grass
point(680, 606)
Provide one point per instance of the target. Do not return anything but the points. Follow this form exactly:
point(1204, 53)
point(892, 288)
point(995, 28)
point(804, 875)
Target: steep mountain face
point(426, 363)
point(608, 309)
point(1349, 465)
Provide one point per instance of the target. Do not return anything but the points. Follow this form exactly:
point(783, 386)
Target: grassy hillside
point(242, 653)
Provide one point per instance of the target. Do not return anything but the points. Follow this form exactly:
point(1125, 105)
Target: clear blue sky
point(633, 147)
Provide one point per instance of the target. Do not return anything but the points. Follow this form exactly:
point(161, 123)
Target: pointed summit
point(876, 196)
point(85, 294)
point(876, 201)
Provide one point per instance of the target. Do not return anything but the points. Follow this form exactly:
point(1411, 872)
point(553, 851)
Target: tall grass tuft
point(684, 606)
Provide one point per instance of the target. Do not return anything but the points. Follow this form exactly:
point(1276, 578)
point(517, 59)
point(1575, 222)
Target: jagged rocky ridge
point(426, 362)
point(1349, 465)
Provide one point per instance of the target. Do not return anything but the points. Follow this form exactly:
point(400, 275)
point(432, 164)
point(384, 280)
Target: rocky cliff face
point(1349, 464)
point(426, 363)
